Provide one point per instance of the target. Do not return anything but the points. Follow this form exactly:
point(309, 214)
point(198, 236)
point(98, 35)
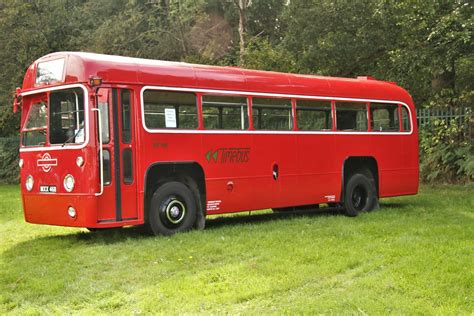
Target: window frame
point(36, 92)
point(85, 131)
point(250, 95)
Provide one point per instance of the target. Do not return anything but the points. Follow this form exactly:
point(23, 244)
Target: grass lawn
point(414, 255)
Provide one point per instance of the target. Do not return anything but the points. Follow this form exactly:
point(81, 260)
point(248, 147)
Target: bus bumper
point(54, 209)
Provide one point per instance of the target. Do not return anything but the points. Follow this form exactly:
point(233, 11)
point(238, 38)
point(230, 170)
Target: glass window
point(127, 166)
point(66, 123)
point(384, 117)
point(104, 110)
point(34, 131)
point(50, 71)
point(223, 112)
point(106, 167)
point(272, 114)
point(314, 115)
point(126, 116)
point(406, 119)
point(166, 109)
point(351, 116)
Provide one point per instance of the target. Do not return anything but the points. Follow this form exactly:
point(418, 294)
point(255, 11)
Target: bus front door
point(118, 201)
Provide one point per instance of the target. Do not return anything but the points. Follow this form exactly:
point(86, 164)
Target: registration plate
point(48, 188)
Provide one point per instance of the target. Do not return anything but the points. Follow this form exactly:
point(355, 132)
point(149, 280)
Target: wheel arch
point(190, 173)
point(366, 165)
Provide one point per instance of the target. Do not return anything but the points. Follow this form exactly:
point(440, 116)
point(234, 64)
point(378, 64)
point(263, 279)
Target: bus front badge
point(46, 162)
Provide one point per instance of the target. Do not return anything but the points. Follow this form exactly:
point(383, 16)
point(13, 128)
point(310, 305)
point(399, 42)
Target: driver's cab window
point(34, 130)
point(66, 117)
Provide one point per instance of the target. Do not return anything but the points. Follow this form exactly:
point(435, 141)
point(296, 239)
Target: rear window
point(406, 124)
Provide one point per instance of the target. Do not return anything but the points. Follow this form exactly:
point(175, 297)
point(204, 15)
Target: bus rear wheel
point(172, 210)
point(359, 195)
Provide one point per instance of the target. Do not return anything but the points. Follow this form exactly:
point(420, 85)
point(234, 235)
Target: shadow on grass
point(243, 219)
point(122, 235)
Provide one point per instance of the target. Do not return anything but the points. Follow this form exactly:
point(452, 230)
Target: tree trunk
point(242, 6)
point(446, 79)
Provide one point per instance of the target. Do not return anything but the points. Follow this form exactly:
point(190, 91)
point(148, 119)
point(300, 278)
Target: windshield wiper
point(71, 138)
point(81, 128)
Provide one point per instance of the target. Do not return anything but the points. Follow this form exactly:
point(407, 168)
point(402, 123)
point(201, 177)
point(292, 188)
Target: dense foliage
point(445, 153)
point(9, 170)
point(425, 46)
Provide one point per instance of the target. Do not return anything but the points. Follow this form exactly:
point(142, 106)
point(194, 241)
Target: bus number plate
point(48, 188)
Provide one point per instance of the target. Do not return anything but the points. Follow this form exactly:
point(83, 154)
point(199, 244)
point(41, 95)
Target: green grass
point(414, 255)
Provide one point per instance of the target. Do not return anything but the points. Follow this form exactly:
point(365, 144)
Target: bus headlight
point(69, 183)
point(29, 183)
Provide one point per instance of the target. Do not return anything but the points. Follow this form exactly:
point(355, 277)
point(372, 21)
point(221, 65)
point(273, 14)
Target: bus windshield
point(65, 111)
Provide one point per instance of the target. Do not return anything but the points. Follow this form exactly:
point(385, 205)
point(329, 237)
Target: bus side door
point(119, 199)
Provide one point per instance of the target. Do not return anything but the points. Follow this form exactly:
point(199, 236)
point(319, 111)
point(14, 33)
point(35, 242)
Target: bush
point(9, 155)
point(446, 154)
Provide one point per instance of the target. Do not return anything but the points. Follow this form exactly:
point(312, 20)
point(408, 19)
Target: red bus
point(110, 141)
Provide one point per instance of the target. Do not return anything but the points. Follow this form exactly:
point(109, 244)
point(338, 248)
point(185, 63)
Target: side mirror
point(16, 99)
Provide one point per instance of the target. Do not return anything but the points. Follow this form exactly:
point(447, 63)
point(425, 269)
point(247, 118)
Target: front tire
point(359, 195)
point(173, 209)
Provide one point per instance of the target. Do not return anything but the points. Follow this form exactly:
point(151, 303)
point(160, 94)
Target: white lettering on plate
point(330, 198)
point(213, 205)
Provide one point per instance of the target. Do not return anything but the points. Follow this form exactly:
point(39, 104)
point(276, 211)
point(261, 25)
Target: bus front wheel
point(359, 195)
point(172, 210)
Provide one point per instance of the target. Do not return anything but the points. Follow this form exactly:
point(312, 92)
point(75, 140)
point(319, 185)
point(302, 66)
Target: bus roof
point(80, 66)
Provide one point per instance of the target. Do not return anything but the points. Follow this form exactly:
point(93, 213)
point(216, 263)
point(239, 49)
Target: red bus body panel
point(310, 164)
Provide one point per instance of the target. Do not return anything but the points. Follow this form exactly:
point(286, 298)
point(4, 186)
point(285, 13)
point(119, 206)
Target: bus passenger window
point(167, 109)
point(406, 119)
point(272, 114)
point(384, 117)
point(314, 115)
point(351, 116)
point(222, 112)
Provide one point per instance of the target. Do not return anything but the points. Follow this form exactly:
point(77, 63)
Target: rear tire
point(173, 209)
point(359, 195)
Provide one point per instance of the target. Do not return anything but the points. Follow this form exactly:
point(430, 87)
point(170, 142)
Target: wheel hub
point(175, 211)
